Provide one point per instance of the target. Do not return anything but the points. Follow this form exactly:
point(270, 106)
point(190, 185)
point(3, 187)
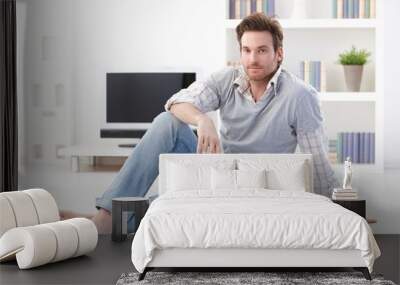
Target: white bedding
point(250, 218)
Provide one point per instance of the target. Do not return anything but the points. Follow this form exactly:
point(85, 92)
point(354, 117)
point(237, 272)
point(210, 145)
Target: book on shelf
point(238, 9)
point(314, 73)
point(341, 197)
point(354, 9)
point(359, 146)
point(347, 194)
point(233, 63)
point(344, 194)
point(332, 153)
point(344, 191)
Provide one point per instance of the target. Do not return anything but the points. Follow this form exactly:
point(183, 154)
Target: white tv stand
point(92, 152)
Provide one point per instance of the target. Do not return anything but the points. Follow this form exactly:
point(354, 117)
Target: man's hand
point(207, 137)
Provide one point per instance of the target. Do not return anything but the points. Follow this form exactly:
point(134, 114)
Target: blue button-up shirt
point(287, 114)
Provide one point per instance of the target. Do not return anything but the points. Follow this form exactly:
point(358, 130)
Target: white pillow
point(282, 174)
point(251, 178)
point(189, 175)
point(225, 179)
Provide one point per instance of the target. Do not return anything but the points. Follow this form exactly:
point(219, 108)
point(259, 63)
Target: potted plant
point(353, 62)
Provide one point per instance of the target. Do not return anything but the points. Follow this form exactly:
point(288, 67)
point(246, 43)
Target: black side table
point(357, 206)
point(122, 208)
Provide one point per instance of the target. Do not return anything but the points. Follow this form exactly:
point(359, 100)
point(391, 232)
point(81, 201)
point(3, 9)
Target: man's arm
point(324, 177)
point(311, 139)
point(190, 105)
point(204, 95)
point(187, 113)
point(208, 140)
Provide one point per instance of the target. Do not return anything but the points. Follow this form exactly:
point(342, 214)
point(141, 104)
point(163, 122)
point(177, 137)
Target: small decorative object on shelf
point(348, 174)
point(354, 8)
point(314, 73)
point(353, 63)
point(360, 146)
point(238, 9)
point(346, 192)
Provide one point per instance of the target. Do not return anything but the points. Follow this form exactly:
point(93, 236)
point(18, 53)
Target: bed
point(246, 211)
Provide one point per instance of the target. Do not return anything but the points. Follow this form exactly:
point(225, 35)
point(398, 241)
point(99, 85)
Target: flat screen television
point(140, 97)
point(133, 100)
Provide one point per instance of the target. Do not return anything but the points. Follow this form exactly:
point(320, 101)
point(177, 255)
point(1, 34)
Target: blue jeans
point(167, 134)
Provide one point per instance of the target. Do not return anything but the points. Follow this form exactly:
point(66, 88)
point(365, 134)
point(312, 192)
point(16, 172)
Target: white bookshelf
point(322, 38)
point(317, 23)
point(348, 96)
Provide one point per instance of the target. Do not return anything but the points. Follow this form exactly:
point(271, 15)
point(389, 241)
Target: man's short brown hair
point(261, 22)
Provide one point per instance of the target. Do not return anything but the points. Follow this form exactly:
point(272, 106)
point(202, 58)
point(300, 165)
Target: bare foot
point(103, 221)
point(65, 215)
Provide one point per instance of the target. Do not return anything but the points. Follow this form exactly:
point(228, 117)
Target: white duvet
point(251, 218)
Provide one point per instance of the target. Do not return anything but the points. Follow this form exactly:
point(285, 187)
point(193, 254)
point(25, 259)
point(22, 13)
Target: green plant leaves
point(354, 57)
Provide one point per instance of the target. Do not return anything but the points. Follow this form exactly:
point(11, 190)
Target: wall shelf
point(317, 23)
point(94, 154)
point(347, 96)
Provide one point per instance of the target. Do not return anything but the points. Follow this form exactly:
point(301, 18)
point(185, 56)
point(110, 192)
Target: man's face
point(257, 55)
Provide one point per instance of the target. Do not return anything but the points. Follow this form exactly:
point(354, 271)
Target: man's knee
point(167, 119)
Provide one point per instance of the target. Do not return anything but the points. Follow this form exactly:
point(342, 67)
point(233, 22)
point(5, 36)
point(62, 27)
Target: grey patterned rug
point(229, 278)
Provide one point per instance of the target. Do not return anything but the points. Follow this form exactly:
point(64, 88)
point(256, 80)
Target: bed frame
point(240, 259)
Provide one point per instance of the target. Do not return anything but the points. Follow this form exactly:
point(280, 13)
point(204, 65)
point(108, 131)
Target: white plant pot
point(353, 77)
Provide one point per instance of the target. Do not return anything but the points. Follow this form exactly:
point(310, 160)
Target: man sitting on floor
point(263, 109)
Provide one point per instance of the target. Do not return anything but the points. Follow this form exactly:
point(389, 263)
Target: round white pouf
point(67, 240)
point(23, 208)
point(45, 205)
point(87, 234)
point(40, 244)
point(6, 215)
point(33, 246)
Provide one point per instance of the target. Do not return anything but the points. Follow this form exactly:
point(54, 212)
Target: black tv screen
point(140, 97)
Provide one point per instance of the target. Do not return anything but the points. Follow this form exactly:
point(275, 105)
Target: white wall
point(71, 44)
point(66, 49)
point(392, 92)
